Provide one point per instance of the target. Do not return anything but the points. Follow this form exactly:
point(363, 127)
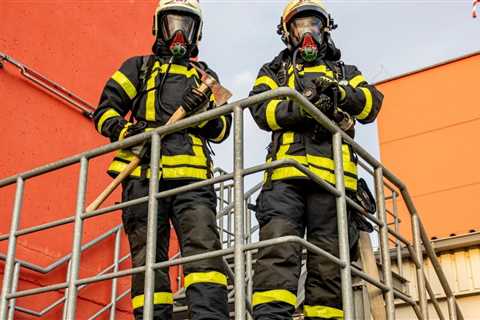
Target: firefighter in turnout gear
point(291, 204)
point(152, 88)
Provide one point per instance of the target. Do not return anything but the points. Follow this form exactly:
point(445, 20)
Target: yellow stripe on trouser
point(110, 113)
point(368, 104)
point(322, 312)
point(158, 298)
point(205, 277)
point(126, 84)
point(279, 295)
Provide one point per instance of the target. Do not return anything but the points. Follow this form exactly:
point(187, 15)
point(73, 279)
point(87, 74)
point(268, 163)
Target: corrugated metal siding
point(461, 267)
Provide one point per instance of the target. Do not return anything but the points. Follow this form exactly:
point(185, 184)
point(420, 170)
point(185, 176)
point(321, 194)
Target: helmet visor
point(173, 22)
point(302, 25)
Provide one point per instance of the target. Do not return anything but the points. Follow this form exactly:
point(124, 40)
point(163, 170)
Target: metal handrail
point(51, 86)
point(380, 173)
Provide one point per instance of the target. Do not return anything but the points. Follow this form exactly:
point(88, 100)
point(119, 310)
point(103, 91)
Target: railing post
point(16, 278)
point(220, 208)
point(417, 244)
point(238, 215)
point(65, 305)
point(397, 229)
point(116, 257)
point(149, 288)
point(249, 258)
point(77, 240)
point(385, 252)
point(12, 246)
point(344, 246)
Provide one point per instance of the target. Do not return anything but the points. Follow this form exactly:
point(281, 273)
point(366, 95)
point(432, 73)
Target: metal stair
point(238, 233)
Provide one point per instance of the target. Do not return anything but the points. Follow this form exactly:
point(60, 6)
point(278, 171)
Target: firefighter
point(291, 204)
point(152, 88)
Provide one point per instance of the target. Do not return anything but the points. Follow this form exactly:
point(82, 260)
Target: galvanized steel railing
point(241, 247)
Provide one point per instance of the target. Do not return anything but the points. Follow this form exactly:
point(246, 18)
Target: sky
point(382, 38)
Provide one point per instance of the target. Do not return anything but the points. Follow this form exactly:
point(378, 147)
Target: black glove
point(330, 87)
point(194, 99)
point(321, 101)
point(135, 129)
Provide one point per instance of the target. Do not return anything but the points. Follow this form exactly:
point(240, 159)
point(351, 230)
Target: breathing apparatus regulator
point(177, 25)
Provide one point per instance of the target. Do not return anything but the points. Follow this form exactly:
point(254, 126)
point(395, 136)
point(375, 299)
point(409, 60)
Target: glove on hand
point(321, 101)
point(330, 87)
point(194, 99)
point(133, 130)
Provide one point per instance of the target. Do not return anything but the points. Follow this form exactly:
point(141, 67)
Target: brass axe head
point(220, 93)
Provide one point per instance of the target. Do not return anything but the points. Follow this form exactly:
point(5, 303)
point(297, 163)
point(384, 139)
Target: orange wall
point(78, 44)
point(428, 129)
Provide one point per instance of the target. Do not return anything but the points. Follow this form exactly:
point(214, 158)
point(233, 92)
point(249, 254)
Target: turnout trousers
point(289, 207)
point(193, 216)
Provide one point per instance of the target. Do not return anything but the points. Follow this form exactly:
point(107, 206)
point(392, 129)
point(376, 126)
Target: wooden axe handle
point(178, 115)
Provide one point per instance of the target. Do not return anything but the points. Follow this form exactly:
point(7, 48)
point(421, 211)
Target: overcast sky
point(383, 38)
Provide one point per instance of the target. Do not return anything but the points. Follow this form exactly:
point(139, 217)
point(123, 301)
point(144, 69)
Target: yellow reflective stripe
point(124, 130)
point(291, 81)
point(223, 132)
point(318, 69)
point(118, 166)
point(196, 140)
point(266, 80)
point(125, 83)
point(288, 137)
point(197, 160)
point(368, 104)
point(158, 298)
point(357, 80)
point(184, 172)
point(205, 277)
point(110, 113)
point(271, 117)
point(179, 69)
point(203, 124)
point(273, 296)
point(150, 102)
point(322, 312)
point(323, 162)
point(286, 172)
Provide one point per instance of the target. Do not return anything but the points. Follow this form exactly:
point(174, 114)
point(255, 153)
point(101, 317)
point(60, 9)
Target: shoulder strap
point(145, 71)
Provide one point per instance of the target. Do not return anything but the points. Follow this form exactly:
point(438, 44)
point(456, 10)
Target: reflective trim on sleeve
point(158, 298)
point(110, 113)
point(205, 277)
point(322, 312)
point(224, 130)
point(271, 116)
point(368, 104)
point(357, 80)
point(288, 137)
point(125, 83)
point(279, 295)
point(266, 80)
point(150, 102)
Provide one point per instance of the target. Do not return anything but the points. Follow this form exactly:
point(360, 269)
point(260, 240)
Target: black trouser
point(288, 208)
point(193, 217)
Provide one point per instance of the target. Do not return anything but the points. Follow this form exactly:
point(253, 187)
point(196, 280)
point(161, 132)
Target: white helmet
point(174, 15)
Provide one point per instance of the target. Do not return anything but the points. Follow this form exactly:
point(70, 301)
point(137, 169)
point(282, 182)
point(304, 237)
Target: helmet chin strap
point(309, 48)
point(178, 46)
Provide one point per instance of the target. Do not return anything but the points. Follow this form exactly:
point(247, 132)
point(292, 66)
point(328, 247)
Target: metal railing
point(50, 86)
point(242, 244)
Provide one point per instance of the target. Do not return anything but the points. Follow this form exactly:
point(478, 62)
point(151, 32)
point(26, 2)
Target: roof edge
point(465, 56)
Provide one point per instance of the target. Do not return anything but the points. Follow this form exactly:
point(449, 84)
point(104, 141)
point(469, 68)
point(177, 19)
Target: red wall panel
point(79, 44)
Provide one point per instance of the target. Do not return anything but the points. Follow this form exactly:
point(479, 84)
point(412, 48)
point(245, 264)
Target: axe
point(207, 82)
